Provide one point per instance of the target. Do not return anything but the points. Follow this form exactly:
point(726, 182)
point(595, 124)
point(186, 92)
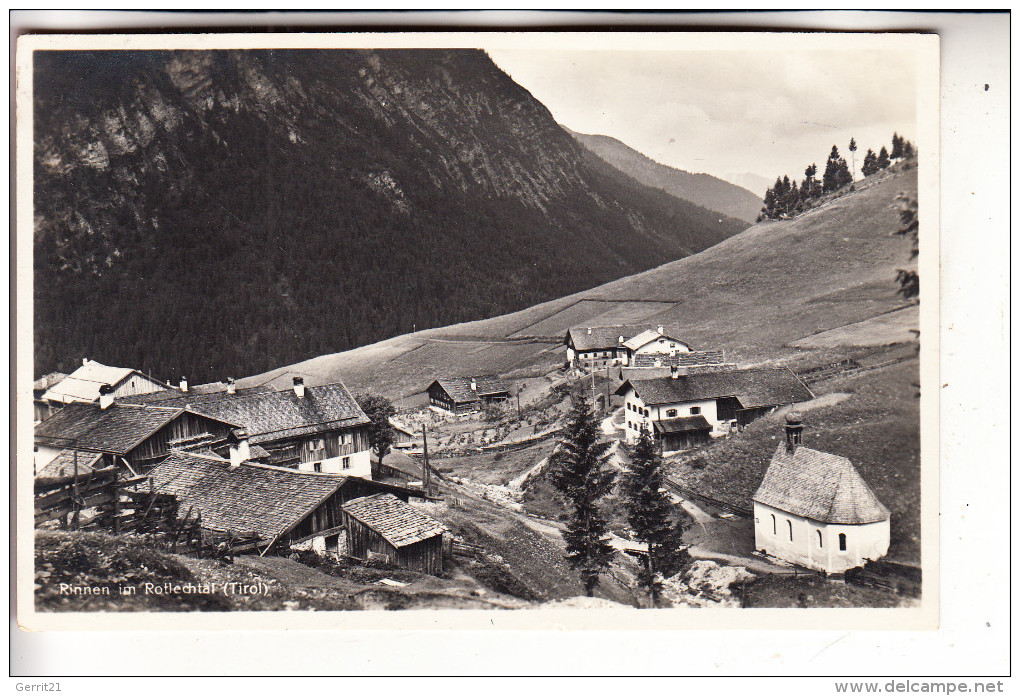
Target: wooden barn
point(287, 508)
point(382, 524)
point(139, 437)
point(675, 434)
point(463, 394)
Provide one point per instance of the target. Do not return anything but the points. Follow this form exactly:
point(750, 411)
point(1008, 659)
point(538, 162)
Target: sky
point(726, 112)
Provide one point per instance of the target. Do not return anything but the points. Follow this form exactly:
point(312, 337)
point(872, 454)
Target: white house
point(725, 400)
point(814, 509)
point(656, 343)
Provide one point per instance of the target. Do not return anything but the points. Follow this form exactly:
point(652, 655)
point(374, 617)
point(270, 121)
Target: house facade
point(724, 401)
point(815, 510)
point(599, 347)
point(319, 429)
point(465, 394)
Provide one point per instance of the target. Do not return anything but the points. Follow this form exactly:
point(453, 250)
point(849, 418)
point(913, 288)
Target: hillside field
point(754, 296)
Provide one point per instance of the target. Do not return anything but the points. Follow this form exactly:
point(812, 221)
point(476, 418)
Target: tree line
point(786, 198)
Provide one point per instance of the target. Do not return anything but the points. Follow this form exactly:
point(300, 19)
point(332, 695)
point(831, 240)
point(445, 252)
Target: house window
point(671, 413)
point(789, 527)
point(819, 532)
point(774, 524)
point(842, 542)
point(346, 462)
point(317, 466)
point(695, 410)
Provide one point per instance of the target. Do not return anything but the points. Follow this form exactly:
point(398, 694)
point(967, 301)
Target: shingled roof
point(603, 337)
point(820, 486)
point(648, 336)
point(83, 384)
point(117, 429)
point(271, 415)
point(771, 386)
point(686, 424)
point(394, 520)
point(195, 395)
point(459, 388)
point(63, 464)
point(258, 498)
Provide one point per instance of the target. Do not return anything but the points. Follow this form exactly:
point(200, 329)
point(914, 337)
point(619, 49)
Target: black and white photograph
point(488, 327)
point(385, 351)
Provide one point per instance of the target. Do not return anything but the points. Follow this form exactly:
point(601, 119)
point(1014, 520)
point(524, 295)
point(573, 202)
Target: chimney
point(793, 431)
point(84, 362)
point(474, 383)
point(231, 388)
point(105, 396)
point(589, 331)
point(240, 450)
point(621, 339)
point(660, 328)
point(184, 384)
point(299, 387)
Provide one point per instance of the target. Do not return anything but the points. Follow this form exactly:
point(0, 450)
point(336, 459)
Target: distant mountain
point(702, 189)
point(752, 182)
point(219, 213)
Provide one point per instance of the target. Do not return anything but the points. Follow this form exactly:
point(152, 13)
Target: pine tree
point(830, 178)
point(897, 147)
point(649, 511)
point(853, 160)
point(870, 165)
point(883, 158)
point(908, 149)
point(580, 475)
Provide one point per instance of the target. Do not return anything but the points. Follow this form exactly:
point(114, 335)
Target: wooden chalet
point(286, 508)
point(404, 437)
point(136, 436)
point(464, 394)
point(383, 525)
point(319, 428)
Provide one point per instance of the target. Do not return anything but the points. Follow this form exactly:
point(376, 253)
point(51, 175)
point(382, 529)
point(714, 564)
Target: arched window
point(819, 538)
point(789, 528)
point(842, 542)
point(671, 413)
point(774, 524)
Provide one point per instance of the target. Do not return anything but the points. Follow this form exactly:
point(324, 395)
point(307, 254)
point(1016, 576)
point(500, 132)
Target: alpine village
point(491, 363)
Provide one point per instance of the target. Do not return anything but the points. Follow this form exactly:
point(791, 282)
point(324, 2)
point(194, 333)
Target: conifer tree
point(870, 165)
point(581, 476)
point(649, 511)
point(908, 149)
point(897, 147)
point(883, 158)
point(853, 160)
point(830, 178)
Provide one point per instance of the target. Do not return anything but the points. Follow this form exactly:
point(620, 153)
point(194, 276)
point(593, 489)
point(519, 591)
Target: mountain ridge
point(703, 189)
point(221, 212)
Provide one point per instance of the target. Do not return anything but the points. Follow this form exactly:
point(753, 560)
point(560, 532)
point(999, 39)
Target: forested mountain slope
point(219, 213)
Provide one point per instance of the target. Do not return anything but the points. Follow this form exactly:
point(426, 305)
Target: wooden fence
point(122, 506)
